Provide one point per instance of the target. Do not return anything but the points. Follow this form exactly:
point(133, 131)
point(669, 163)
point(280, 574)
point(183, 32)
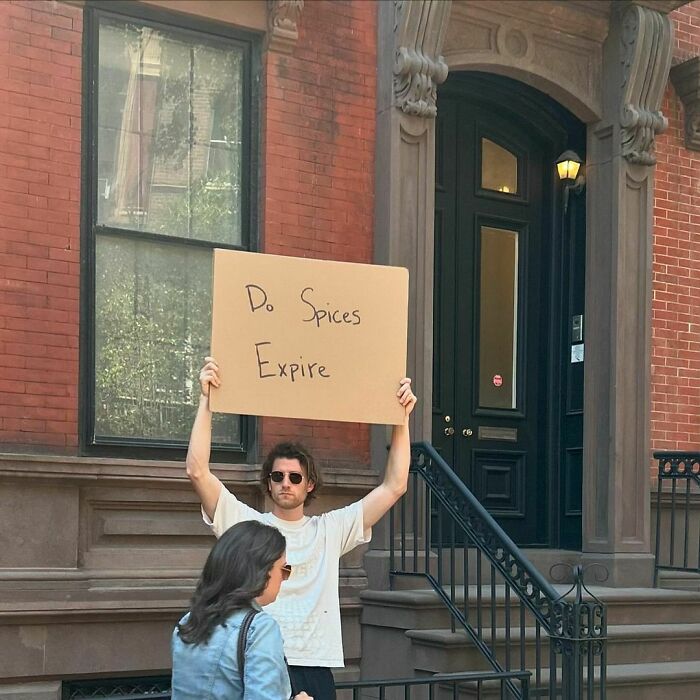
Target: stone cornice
point(582, 18)
point(283, 24)
point(419, 30)
point(645, 54)
point(686, 81)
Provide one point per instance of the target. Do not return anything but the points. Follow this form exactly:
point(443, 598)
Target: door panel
point(494, 214)
point(500, 477)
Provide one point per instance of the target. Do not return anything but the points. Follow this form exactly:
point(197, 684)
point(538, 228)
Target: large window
point(169, 178)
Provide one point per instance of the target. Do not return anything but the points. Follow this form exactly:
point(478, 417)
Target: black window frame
point(193, 27)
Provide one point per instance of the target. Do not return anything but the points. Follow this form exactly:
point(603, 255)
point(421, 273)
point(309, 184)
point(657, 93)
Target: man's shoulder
point(342, 512)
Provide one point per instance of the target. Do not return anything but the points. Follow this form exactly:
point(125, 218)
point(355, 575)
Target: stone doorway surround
point(608, 63)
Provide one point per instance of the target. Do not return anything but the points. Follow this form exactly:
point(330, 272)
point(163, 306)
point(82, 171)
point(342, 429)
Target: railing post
point(581, 637)
point(659, 478)
point(572, 654)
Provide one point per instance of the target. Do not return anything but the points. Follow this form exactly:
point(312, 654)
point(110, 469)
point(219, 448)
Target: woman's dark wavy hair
point(292, 450)
point(235, 573)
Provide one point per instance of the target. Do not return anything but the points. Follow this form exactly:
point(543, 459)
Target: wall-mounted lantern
point(568, 166)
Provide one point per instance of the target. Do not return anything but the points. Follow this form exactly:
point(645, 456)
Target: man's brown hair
point(292, 450)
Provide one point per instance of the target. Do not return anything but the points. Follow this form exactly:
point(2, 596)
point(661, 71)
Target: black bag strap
point(242, 638)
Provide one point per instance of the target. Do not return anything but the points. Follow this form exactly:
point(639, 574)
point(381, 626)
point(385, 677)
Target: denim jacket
point(210, 671)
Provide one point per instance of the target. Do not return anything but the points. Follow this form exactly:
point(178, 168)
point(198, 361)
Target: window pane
point(498, 318)
point(152, 331)
point(169, 134)
point(499, 168)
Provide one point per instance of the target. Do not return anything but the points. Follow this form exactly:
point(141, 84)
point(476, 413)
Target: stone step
point(679, 580)
point(449, 652)
point(678, 680)
point(424, 609)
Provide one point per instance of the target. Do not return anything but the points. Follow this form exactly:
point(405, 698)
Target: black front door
point(494, 352)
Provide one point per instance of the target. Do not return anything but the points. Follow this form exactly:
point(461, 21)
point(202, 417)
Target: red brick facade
point(40, 131)
point(675, 387)
point(318, 131)
point(318, 143)
point(318, 183)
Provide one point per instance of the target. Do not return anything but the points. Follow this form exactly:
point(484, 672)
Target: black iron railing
point(440, 685)
point(677, 513)
point(510, 612)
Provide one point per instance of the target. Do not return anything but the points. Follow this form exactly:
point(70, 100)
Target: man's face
point(285, 493)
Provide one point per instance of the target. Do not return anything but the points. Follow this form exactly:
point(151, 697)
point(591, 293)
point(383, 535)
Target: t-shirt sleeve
point(265, 674)
point(347, 524)
point(229, 511)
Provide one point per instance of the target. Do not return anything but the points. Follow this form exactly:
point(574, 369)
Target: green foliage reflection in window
point(170, 153)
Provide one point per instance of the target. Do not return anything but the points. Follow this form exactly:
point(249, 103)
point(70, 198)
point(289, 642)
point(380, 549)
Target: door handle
point(467, 432)
point(449, 431)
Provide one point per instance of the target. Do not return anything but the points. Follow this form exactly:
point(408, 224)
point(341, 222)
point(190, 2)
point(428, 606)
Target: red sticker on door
point(497, 380)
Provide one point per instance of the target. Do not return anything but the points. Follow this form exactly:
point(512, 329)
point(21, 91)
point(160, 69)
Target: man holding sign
point(308, 607)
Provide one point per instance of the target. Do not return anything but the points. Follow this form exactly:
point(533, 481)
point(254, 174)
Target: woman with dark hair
point(243, 572)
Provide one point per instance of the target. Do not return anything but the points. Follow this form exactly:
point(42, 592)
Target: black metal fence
point(677, 513)
point(150, 687)
point(441, 686)
point(512, 615)
point(435, 687)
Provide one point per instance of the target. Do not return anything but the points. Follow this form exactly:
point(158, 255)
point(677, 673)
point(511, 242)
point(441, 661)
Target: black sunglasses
point(294, 477)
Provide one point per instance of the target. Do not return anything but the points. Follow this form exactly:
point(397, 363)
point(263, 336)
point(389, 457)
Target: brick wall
point(318, 159)
point(318, 176)
point(317, 165)
point(675, 388)
point(40, 108)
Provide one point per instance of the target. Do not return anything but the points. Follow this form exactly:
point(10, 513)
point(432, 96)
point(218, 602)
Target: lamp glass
point(568, 169)
point(568, 165)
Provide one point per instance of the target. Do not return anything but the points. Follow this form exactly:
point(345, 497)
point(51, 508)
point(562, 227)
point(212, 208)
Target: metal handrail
point(674, 467)
point(576, 628)
point(491, 525)
point(455, 679)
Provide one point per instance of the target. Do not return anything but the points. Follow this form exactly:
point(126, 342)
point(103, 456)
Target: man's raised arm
point(207, 486)
point(376, 503)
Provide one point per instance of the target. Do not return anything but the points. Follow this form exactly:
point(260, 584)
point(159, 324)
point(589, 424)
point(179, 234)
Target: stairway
point(653, 639)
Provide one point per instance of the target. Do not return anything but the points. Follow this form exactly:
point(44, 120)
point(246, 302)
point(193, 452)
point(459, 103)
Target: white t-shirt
point(307, 608)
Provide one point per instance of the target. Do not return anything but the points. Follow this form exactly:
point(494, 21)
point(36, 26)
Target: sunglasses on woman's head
point(286, 571)
point(294, 477)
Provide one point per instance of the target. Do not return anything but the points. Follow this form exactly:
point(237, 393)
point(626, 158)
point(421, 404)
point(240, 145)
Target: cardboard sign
point(301, 338)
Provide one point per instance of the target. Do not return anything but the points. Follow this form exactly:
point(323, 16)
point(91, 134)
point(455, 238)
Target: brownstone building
point(136, 136)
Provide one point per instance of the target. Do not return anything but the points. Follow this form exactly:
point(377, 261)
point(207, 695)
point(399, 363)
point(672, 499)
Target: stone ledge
point(84, 469)
point(31, 691)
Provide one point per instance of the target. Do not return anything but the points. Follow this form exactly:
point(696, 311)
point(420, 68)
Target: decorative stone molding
point(419, 68)
point(282, 24)
point(663, 5)
point(686, 81)
point(645, 53)
point(556, 47)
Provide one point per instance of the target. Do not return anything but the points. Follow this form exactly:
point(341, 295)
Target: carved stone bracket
point(282, 24)
point(418, 66)
point(686, 80)
point(645, 53)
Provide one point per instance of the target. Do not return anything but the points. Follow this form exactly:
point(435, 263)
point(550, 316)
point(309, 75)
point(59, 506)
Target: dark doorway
point(506, 405)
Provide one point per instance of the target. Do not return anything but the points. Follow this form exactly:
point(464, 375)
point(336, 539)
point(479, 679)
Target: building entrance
point(507, 397)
